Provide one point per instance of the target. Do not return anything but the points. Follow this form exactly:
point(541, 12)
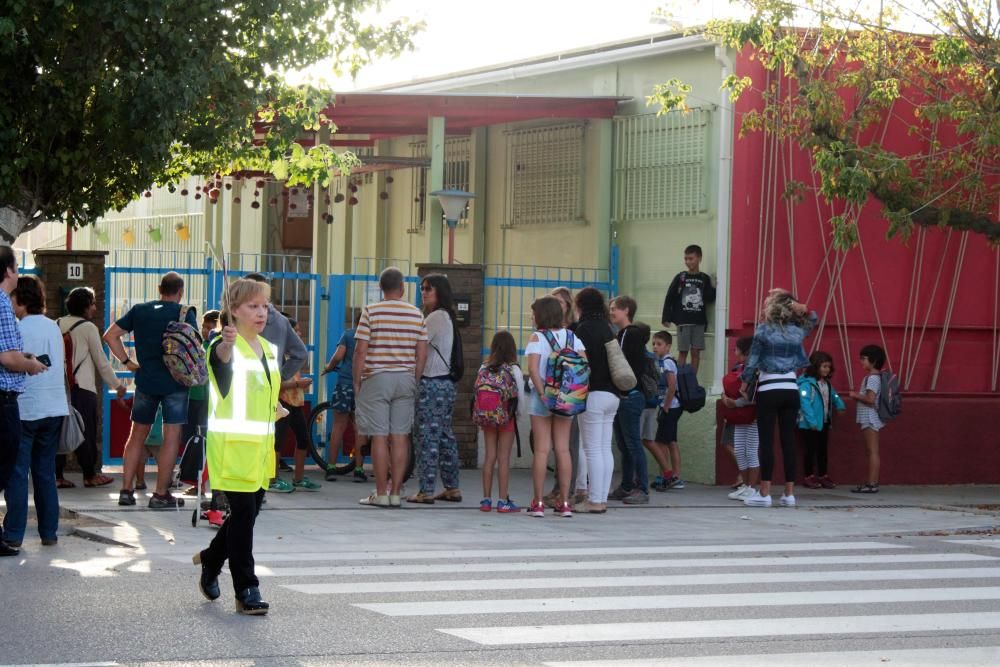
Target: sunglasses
point(426, 288)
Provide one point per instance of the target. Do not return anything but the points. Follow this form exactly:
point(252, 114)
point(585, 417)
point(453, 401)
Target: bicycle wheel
point(320, 441)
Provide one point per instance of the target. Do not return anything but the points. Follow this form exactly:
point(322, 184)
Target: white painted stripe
point(978, 543)
point(597, 564)
point(65, 664)
point(401, 554)
point(713, 579)
point(753, 627)
point(546, 605)
point(977, 656)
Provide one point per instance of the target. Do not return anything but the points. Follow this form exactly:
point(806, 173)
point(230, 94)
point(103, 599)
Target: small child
point(685, 305)
point(872, 360)
point(741, 419)
point(667, 479)
point(495, 409)
point(669, 411)
point(817, 401)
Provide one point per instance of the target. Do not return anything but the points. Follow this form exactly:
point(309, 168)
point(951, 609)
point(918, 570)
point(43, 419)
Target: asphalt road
point(699, 583)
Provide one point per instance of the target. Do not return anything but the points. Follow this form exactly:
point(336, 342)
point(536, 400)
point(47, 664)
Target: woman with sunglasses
point(436, 447)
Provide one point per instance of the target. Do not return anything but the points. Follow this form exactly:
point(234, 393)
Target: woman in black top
point(634, 487)
point(596, 423)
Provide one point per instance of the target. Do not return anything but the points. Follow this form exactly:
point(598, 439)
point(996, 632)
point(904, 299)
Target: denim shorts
point(174, 406)
point(536, 408)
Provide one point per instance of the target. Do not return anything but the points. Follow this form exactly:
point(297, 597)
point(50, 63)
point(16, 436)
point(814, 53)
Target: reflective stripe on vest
point(238, 422)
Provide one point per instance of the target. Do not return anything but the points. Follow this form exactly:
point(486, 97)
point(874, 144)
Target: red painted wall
point(947, 433)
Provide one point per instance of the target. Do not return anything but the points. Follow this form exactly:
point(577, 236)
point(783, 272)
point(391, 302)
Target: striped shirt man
point(392, 328)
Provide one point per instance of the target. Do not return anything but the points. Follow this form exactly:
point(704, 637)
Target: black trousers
point(85, 403)
point(234, 541)
point(815, 444)
point(296, 420)
point(779, 406)
point(10, 435)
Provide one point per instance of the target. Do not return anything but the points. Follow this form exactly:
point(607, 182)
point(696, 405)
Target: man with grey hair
point(389, 358)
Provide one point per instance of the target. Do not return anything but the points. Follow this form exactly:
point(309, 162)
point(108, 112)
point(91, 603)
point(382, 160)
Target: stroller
point(193, 471)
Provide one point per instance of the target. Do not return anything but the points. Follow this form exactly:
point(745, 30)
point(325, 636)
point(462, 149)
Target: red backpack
point(731, 383)
point(68, 355)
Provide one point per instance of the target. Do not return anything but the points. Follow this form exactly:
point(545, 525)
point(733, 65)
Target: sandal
point(97, 480)
point(450, 495)
point(65, 484)
point(865, 488)
point(420, 497)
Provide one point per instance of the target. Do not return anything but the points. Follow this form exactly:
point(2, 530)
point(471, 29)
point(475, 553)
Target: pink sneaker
point(811, 482)
point(826, 482)
point(565, 510)
point(536, 508)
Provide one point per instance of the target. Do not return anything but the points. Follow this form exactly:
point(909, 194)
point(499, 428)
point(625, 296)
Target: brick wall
point(52, 267)
point(466, 281)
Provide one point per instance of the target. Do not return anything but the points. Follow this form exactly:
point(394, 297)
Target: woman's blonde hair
point(778, 307)
point(565, 297)
point(241, 291)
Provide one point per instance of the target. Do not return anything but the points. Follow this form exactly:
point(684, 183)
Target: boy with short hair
point(666, 452)
point(669, 413)
point(686, 304)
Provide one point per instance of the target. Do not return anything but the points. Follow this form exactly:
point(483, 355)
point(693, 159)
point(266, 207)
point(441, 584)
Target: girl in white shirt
point(549, 431)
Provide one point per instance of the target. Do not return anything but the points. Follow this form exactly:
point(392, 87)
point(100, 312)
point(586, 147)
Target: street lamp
point(452, 203)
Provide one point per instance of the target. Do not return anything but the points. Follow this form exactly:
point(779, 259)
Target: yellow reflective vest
point(241, 424)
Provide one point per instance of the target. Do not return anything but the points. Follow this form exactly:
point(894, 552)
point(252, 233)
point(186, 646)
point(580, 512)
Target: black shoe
point(8, 550)
point(360, 476)
point(248, 602)
point(209, 581)
point(330, 476)
point(50, 541)
point(284, 467)
point(126, 497)
point(164, 502)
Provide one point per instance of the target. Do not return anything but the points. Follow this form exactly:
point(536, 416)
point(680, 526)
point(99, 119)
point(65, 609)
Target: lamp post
point(452, 203)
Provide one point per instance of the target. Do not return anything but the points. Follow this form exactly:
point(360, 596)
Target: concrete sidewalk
point(331, 519)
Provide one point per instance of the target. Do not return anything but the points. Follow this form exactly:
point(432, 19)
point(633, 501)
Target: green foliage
point(670, 96)
point(103, 99)
point(847, 76)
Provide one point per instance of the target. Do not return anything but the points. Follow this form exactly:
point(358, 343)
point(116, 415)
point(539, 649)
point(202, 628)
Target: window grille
point(661, 165)
point(457, 157)
point(545, 172)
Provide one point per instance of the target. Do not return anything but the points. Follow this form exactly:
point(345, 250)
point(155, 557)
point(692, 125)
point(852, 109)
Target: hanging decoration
point(102, 235)
point(155, 234)
point(128, 236)
point(183, 230)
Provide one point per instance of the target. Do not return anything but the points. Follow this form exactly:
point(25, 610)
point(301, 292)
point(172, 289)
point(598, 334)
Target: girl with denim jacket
point(817, 401)
point(775, 355)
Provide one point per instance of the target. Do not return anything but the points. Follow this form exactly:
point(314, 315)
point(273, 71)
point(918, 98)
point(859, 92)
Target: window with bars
point(457, 157)
point(545, 171)
point(660, 165)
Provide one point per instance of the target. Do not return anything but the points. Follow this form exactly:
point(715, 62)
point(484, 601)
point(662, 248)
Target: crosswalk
point(518, 597)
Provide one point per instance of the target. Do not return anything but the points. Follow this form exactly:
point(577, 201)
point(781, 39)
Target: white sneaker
point(787, 501)
point(747, 492)
point(738, 493)
point(757, 500)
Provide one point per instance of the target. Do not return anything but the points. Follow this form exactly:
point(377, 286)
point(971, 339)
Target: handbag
point(71, 435)
point(621, 373)
point(752, 383)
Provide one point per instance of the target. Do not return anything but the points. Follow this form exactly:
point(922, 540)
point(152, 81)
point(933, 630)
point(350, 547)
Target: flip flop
point(65, 484)
point(97, 480)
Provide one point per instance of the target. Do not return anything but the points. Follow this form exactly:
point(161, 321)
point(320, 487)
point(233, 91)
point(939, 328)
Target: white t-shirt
point(44, 394)
point(667, 366)
point(440, 338)
point(540, 347)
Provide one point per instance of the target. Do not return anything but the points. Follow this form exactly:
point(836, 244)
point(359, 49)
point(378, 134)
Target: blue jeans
point(627, 435)
point(37, 454)
point(10, 436)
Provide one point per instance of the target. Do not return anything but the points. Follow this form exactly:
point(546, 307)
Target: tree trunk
point(13, 223)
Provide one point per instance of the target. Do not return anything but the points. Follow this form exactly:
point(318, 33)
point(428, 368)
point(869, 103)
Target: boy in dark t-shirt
point(686, 304)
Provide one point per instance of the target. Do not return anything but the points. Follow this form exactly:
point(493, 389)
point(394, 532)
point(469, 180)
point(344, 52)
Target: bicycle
point(320, 427)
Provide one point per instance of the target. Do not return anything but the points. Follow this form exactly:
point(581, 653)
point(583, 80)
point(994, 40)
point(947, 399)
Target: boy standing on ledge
point(686, 305)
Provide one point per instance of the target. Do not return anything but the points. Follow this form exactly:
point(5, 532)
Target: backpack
point(68, 356)
point(492, 395)
point(649, 380)
point(890, 401)
point(690, 394)
point(567, 378)
point(456, 364)
point(731, 383)
point(183, 352)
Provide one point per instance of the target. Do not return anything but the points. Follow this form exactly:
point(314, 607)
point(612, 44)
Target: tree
point(850, 74)
point(101, 100)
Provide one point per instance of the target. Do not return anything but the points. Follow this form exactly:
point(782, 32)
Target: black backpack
point(456, 365)
point(690, 394)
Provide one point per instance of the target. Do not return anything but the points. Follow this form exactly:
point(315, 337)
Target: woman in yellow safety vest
point(243, 383)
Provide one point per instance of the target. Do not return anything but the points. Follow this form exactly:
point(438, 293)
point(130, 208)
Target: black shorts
point(666, 425)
